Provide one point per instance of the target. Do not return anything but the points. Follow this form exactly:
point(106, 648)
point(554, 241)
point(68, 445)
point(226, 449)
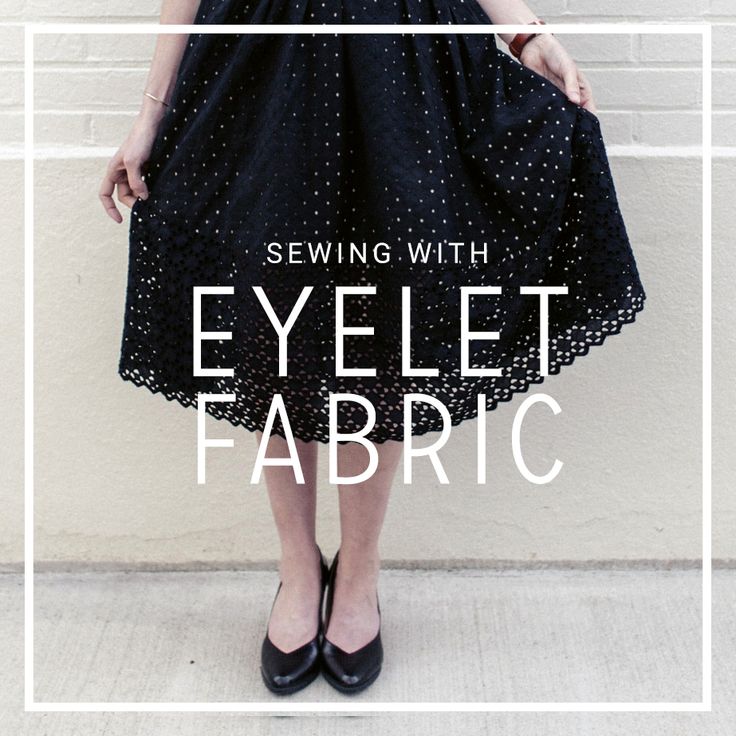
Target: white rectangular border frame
point(704, 30)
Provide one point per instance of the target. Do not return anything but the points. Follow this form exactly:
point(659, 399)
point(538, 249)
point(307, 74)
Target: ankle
point(359, 569)
point(299, 564)
point(354, 558)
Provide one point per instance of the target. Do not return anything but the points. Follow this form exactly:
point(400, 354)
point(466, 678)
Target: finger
point(586, 94)
point(572, 87)
point(133, 168)
point(105, 194)
point(125, 194)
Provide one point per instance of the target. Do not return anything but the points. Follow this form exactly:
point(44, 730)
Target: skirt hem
point(186, 399)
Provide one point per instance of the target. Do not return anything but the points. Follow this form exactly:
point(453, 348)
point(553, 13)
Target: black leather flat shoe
point(349, 672)
point(287, 672)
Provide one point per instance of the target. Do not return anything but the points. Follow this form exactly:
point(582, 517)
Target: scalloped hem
point(215, 410)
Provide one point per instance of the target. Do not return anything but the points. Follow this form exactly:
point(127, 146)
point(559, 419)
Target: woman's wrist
point(538, 41)
point(507, 12)
point(519, 42)
point(151, 111)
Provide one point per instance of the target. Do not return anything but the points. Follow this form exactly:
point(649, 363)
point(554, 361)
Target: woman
point(250, 143)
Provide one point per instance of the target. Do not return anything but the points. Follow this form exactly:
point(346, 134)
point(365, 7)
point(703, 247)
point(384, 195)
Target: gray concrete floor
point(470, 635)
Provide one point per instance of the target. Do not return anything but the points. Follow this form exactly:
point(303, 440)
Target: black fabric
point(401, 139)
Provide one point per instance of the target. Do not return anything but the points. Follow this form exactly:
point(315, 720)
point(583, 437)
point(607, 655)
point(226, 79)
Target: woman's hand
point(125, 168)
point(545, 55)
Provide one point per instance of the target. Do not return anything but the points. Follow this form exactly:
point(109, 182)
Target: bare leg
point(354, 620)
point(294, 616)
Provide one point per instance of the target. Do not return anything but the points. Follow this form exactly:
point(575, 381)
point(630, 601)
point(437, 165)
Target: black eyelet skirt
point(429, 161)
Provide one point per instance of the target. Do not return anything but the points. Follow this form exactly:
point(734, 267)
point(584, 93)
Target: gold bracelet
point(163, 102)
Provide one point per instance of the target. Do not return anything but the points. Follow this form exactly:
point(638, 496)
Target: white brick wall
point(649, 91)
point(648, 88)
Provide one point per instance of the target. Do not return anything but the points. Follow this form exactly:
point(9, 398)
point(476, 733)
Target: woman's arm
point(124, 168)
point(544, 53)
point(507, 12)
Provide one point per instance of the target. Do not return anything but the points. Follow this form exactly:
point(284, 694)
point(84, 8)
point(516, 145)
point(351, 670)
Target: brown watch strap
point(521, 39)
